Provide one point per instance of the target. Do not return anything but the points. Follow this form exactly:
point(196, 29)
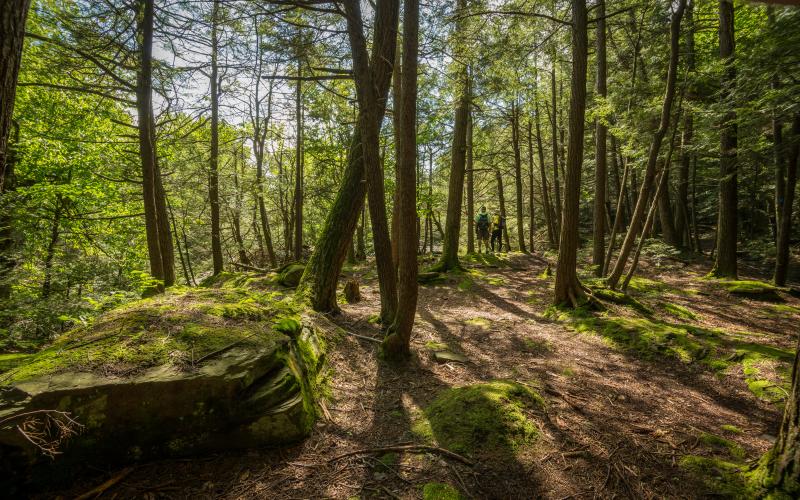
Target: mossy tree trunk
point(397, 344)
point(638, 215)
point(322, 272)
point(568, 289)
point(725, 265)
point(784, 463)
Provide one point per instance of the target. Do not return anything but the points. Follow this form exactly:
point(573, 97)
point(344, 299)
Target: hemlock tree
point(568, 290)
point(396, 344)
point(727, 218)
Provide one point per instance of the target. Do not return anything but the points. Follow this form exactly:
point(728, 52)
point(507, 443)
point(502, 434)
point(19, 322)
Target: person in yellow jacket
point(498, 224)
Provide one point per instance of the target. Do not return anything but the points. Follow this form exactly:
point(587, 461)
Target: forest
point(438, 250)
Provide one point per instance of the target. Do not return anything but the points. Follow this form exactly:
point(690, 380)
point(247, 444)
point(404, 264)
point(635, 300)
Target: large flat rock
point(187, 372)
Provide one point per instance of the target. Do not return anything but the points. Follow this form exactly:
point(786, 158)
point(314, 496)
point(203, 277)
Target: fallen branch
point(406, 447)
point(99, 490)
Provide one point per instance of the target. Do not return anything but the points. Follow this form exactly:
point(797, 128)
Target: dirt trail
point(615, 425)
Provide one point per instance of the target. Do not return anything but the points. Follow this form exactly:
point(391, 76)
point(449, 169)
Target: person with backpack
point(498, 224)
point(482, 229)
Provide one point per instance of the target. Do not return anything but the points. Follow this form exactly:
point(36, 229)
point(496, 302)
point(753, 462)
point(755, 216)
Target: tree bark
point(298, 170)
point(515, 142)
point(554, 124)
point(470, 189)
point(531, 201)
point(725, 265)
point(601, 132)
point(501, 198)
point(51, 247)
point(213, 176)
point(785, 220)
point(784, 463)
point(549, 213)
point(682, 231)
point(658, 137)
point(621, 194)
point(322, 272)
point(12, 35)
point(455, 190)
point(668, 232)
point(159, 241)
point(568, 290)
point(397, 344)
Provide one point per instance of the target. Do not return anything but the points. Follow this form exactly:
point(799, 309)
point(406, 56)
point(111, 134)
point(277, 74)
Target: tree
point(515, 143)
point(568, 290)
point(396, 344)
point(13, 14)
point(600, 175)
point(785, 219)
point(213, 175)
point(638, 215)
point(727, 218)
point(455, 191)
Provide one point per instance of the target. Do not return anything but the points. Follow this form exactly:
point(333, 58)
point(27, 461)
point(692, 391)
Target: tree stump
point(351, 292)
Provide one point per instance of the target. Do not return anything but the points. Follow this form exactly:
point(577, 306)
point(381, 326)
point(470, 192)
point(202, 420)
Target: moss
point(678, 311)
point(436, 346)
point(290, 274)
point(486, 259)
point(720, 443)
point(175, 328)
point(537, 346)
point(616, 297)
point(465, 284)
point(783, 308)
point(440, 491)
point(546, 274)
point(9, 361)
point(487, 419)
point(759, 290)
point(720, 476)
point(646, 286)
point(731, 428)
point(479, 322)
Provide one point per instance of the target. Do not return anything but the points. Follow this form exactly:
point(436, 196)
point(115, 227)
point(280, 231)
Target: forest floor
point(618, 420)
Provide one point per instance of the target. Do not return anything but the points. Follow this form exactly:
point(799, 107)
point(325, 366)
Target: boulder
point(290, 274)
point(181, 373)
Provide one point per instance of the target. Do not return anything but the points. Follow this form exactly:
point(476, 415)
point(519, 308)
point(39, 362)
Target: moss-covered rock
point(758, 290)
point(183, 372)
point(290, 274)
point(488, 419)
point(440, 491)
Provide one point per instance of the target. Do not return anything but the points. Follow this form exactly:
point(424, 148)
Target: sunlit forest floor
point(633, 394)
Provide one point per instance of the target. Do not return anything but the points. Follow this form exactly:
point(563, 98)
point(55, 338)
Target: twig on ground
point(99, 490)
point(406, 447)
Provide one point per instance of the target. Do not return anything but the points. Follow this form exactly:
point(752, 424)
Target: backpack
point(483, 220)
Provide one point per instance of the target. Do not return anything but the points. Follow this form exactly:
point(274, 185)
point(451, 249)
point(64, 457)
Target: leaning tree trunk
point(601, 132)
point(397, 344)
point(322, 272)
point(518, 176)
point(725, 265)
point(568, 289)
point(785, 220)
point(637, 217)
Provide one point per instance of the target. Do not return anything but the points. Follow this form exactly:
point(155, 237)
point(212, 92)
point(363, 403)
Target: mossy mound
point(487, 419)
point(757, 290)
point(440, 491)
point(187, 371)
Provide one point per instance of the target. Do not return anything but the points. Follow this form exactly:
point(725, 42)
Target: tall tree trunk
point(554, 124)
point(183, 259)
point(725, 265)
point(7, 239)
point(600, 174)
point(568, 289)
point(236, 213)
point(785, 219)
point(455, 190)
point(322, 272)
point(397, 344)
point(470, 189)
point(682, 231)
point(658, 137)
point(515, 142)
point(298, 170)
point(501, 197)
point(531, 201)
point(668, 232)
point(51, 246)
point(12, 35)
point(549, 213)
point(784, 458)
point(159, 241)
point(361, 248)
point(397, 86)
point(622, 191)
point(213, 176)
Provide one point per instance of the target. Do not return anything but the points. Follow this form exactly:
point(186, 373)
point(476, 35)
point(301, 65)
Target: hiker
point(482, 228)
point(498, 224)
